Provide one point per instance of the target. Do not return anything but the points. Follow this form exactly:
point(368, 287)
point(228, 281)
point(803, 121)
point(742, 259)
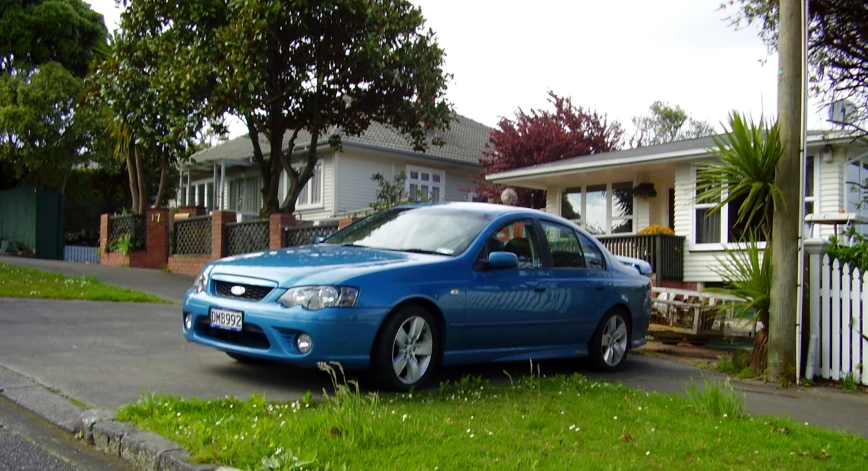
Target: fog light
point(188, 321)
point(303, 343)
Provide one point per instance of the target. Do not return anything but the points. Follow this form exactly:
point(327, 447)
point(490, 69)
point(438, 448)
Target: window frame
point(306, 192)
point(723, 243)
point(441, 185)
point(480, 264)
point(549, 253)
point(610, 217)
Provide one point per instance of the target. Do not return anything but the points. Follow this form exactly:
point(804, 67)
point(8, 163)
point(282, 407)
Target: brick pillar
point(103, 231)
point(277, 224)
point(157, 237)
point(219, 219)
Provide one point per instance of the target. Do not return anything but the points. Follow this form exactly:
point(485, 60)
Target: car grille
point(251, 292)
point(252, 336)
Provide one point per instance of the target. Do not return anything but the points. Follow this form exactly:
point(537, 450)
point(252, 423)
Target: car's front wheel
point(611, 342)
point(406, 349)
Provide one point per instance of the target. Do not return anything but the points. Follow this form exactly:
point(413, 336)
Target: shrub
point(657, 229)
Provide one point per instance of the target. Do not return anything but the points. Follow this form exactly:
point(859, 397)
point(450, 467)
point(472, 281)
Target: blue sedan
point(417, 286)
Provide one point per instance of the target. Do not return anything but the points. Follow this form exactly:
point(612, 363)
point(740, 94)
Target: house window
point(854, 195)
point(425, 184)
point(601, 209)
point(312, 193)
point(723, 226)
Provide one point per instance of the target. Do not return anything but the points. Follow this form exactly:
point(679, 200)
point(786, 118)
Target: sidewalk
point(170, 286)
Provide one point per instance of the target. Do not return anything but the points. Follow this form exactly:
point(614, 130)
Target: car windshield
point(427, 229)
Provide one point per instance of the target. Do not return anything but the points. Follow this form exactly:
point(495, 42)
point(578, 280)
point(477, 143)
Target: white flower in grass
point(647, 453)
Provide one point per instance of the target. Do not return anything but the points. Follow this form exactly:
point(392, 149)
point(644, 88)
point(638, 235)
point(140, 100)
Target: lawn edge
point(142, 449)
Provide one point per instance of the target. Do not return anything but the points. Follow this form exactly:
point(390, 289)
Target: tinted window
point(593, 255)
point(566, 251)
point(519, 238)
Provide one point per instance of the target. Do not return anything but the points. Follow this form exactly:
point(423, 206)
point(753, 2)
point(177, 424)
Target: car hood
point(314, 264)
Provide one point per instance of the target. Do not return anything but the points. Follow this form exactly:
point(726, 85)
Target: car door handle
point(540, 288)
point(599, 287)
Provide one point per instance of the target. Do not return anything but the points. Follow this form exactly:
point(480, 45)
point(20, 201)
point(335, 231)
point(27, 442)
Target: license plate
point(227, 319)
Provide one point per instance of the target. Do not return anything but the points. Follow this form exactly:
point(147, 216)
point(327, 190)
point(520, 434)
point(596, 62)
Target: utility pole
point(785, 223)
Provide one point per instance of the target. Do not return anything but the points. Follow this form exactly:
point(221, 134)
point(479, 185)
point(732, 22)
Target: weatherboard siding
point(356, 191)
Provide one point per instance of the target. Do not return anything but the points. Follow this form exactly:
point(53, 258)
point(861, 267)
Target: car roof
point(489, 209)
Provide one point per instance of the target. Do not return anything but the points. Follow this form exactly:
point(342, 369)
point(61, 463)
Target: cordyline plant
point(300, 73)
point(745, 172)
point(747, 156)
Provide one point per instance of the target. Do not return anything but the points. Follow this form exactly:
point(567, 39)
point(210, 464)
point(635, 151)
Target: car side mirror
point(319, 240)
point(502, 260)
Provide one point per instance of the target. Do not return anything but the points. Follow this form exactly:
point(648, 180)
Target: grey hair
point(509, 197)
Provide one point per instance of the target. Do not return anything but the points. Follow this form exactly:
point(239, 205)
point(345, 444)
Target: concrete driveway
point(109, 354)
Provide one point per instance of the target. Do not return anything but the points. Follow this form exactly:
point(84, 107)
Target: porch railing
point(664, 252)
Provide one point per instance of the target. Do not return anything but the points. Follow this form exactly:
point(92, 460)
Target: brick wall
point(156, 251)
point(187, 264)
point(192, 264)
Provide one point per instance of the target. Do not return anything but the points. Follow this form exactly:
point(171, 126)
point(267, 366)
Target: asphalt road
point(29, 443)
point(109, 354)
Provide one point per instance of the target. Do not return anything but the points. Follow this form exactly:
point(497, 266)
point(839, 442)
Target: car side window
point(593, 255)
point(519, 238)
point(565, 247)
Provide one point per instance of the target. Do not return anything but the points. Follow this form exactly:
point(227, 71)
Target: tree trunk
point(134, 178)
point(297, 180)
point(143, 190)
point(164, 169)
point(259, 158)
point(785, 225)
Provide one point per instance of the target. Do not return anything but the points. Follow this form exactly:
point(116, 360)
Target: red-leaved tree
point(543, 136)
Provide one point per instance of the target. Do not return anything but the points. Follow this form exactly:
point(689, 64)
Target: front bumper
point(344, 335)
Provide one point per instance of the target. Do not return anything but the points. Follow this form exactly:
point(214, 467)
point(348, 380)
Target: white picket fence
point(839, 318)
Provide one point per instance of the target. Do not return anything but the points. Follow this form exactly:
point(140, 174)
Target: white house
point(226, 177)
point(596, 191)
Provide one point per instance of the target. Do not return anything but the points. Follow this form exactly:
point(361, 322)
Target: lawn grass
point(564, 422)
point(23, 282)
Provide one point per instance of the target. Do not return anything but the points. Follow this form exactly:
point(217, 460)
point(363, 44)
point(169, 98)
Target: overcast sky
point(614, 56)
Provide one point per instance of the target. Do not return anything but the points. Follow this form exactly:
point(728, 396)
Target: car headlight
point(314, 298)
point(201, 282)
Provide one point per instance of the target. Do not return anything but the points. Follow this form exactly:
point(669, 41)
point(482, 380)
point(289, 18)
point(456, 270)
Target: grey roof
point(697, 144)
point(464, 143)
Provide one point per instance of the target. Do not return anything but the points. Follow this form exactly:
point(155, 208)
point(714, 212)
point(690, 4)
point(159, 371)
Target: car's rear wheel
point(247, 360)
point(407, 348)
point(611, 342)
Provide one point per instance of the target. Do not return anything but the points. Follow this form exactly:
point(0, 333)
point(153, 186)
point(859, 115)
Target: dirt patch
point(685, 353)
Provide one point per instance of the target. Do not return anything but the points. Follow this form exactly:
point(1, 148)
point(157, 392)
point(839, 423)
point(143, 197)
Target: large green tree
point(46, 49)
point(665, 123)
point(298, 72)
point(151, 128)
point(34, 32)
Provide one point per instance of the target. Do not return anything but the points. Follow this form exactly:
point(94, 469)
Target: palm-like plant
point(747, 274)
point(745, 174)
point(747, 156)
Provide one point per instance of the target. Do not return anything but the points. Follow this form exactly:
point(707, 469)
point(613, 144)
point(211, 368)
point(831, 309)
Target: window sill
point(721, 247)
point(310, 207)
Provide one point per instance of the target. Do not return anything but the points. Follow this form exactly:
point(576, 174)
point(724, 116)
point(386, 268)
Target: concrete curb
point(141, 449)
